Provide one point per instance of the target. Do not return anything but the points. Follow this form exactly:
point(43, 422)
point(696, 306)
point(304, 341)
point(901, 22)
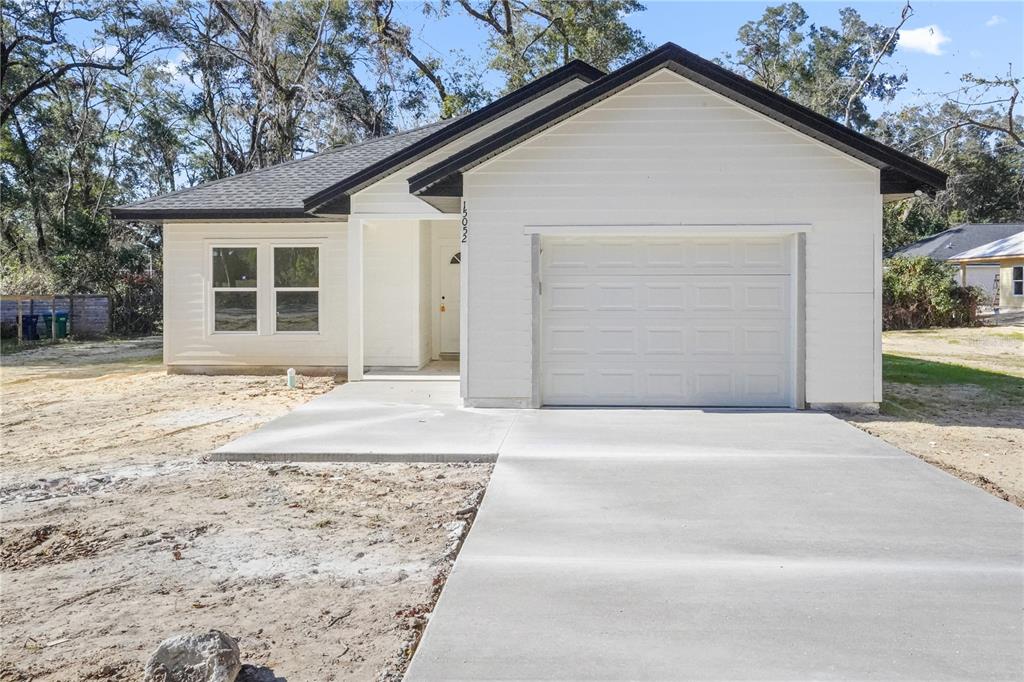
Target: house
point(665, 234)
point(1005, 259)
point(954, 241)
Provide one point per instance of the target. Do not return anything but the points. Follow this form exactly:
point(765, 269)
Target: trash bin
point(28, 327)
point(47, 325)
point(62, 325)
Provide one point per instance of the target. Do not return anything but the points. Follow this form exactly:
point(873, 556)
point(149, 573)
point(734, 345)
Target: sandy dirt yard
point(117, 533)
point(955, 398)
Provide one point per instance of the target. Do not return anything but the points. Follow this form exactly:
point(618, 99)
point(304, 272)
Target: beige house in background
point(1006, 258)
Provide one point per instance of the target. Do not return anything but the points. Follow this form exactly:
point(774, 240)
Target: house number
point(465, 223)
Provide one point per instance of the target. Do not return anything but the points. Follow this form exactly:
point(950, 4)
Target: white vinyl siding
point(667, 151)
point(393, 305)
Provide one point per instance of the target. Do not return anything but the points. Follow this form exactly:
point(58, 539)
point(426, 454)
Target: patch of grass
point(11, 346)
point(903, 370)
point(955, 342)
point(903, 407)
point(1015, 336)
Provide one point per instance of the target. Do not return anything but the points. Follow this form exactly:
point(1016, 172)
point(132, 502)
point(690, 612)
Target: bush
point(921, 292)
point(136, 304)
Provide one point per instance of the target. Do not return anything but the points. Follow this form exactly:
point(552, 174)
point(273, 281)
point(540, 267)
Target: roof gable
point(334, 197)
point(900, 173)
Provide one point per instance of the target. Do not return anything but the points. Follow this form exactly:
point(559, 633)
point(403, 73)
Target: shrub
point(921, 292)
point(136, 303)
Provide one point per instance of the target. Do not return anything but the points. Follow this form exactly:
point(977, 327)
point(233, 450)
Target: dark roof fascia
point(161, 214)
point(710, 75)
point(574, 70)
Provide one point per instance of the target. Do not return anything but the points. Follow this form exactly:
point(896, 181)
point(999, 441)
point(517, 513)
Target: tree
point(973, 135)
point(36, 53)
point(528, 38)
point(835, 71)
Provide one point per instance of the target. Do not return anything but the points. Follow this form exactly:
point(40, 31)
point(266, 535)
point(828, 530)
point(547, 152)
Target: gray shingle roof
point(275, 191)
point(958, 239)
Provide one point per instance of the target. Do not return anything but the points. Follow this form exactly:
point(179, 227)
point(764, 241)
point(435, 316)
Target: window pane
point(234, 267)
point(296, 266)
point(234, 311)
point(298, 311)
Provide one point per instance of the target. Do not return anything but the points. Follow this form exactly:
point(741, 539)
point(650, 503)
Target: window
point(1018, 280)
point(234, 289)
point(296, 289)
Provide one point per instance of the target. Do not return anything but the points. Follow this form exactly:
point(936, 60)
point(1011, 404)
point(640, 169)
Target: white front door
point(666, 321)
point(449, 260)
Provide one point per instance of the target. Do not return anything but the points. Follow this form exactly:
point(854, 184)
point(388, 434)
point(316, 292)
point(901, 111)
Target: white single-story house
point(665, 234)
point(1005, 259)
point(948, 244)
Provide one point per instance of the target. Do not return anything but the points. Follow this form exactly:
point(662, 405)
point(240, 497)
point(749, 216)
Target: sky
point(940, 42)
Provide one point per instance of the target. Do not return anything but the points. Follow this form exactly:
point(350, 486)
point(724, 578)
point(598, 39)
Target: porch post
point(355, 299)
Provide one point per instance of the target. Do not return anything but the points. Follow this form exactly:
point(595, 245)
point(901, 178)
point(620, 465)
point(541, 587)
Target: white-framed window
point(296, 289)
point(234, 277)
point(1017, 280)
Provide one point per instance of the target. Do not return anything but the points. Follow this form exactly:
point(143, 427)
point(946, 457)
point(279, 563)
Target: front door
point(450, 260)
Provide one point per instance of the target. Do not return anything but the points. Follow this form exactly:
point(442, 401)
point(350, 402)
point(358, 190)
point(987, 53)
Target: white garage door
point(666, 321)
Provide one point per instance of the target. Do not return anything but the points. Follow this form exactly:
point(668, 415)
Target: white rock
point(195, 657)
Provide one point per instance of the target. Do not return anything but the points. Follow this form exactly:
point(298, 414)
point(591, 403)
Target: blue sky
point(939, 43)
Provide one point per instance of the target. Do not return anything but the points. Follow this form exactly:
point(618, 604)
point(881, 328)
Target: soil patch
point(117, 532)
point(953, 398)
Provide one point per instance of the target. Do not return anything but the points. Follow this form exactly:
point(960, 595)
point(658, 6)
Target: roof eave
point(899, 166)
point(162, 214)
point(985, 259)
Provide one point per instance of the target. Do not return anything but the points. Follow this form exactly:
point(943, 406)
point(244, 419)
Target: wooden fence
point(88, 314)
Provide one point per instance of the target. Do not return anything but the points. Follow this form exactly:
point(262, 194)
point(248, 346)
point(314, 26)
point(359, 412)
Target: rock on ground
point(195, 657)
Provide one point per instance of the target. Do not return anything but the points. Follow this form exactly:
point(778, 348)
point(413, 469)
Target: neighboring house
point(666, 234)
point(949, 243)
point(1005, 259)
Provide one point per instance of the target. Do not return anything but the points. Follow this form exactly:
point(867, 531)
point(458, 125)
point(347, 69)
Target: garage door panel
point(683, 383)
point(699, 295)
point(657, 255)
point(764, 253)
point(666, 321)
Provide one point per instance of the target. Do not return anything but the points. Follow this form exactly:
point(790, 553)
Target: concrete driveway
point(667, 545)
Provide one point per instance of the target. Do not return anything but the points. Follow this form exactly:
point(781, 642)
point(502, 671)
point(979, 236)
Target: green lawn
point(903, 370)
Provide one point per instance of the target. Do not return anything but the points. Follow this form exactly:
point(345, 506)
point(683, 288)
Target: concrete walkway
point(671, 545)
point(410, 418)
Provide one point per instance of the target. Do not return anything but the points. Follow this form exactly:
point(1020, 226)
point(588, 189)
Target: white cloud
point(927, 39)
point(995, 20)
point(105, 52)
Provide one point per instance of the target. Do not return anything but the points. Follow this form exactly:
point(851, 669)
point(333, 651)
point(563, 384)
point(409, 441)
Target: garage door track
point(665, 545)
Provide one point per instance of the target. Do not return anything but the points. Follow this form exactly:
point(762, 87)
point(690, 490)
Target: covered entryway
point(667, 320)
